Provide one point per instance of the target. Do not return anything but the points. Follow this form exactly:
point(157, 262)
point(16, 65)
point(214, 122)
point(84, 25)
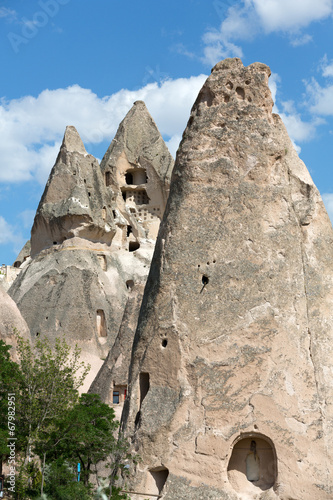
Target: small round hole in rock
point(205, 280)
point(164, 342)
point(130, 284)
point(133, 245)
point(240, 93)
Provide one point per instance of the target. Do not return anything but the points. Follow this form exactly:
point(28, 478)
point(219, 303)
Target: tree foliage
point(49, 386)
point(10, 379)
point(56, 428)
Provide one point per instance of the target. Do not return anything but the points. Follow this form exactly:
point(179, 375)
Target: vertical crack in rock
point(304, 271)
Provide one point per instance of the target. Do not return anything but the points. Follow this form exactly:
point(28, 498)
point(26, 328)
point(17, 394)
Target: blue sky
point(84, 63)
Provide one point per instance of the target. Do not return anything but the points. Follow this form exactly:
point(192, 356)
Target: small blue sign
point(78, 472)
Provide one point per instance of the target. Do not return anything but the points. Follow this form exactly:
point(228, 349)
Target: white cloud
point(7, 13)
point(9, 235)
point(274, 79)
point(326, 67)
point(220, 50)
point(328, 201)
point(328, 70)
point(291, 15)
point(251, 17)
point(301, 40)
point(298, 130)
point(320, 98)
point(31, 128)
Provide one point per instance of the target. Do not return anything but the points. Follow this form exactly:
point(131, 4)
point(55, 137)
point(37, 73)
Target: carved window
point(144, 386)
point(108, 178)
point(254, 457)
point(101, 323)
point(157, 480)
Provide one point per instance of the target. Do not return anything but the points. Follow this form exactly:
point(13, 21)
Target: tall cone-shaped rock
point(73, 200)
point(65, 289)
point(90, 245)
point(231, 382)
point(140, 164)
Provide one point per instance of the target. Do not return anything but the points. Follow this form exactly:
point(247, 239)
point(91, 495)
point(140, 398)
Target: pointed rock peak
point(72, 140)
point(139, 112)
point(137, 137)
point(237, 87)
point(141, 104)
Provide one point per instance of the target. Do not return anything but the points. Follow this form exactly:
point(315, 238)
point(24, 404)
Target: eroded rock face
point(90, 247)
point(111, 381)
point(231, 382)
point(11, 322)
point(140, 165)
point(75, 202)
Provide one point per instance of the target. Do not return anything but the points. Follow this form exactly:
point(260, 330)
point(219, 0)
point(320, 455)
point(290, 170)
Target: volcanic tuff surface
point(231, 380)
point(90, 245)
point(11, 322)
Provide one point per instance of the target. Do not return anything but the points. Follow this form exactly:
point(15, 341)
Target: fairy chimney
point(89, 246)
point(231, 378)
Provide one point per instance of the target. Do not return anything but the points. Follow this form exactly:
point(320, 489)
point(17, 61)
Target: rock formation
point(111, 381)
point(8, 275)
point(139, 163)
point(90, 246)
point(231, 378)
point(24, 256)
point(11, 322)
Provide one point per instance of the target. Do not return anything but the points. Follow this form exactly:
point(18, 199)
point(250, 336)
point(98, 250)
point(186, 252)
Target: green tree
point(10, 378)
point(88, 434)
point(49, 386)
point(61, 482)
point(57, 425)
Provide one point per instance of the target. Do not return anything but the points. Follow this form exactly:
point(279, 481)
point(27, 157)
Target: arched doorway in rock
point(252, 462)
